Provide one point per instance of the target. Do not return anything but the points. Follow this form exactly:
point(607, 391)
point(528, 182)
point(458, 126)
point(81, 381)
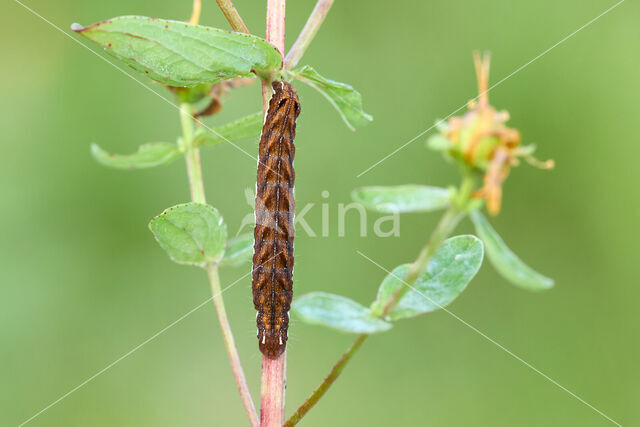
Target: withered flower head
point(482, 143)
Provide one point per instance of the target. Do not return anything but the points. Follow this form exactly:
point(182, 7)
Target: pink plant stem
point(272, 396)
point(275, 23)
point(273, 370)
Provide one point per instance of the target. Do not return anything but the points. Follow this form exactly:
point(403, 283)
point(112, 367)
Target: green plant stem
point(230, 344)
point(308, 33)
point(196, 185)
point(192, 155)
point(273, 379)
point(232, 15)
point(464, 193)
point(445, 227)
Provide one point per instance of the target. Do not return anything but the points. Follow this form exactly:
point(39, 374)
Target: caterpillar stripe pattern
point(272, 282)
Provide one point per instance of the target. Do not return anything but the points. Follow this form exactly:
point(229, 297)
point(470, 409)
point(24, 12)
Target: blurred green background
point(82, 281)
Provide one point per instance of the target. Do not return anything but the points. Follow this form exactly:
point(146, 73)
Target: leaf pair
point(446, 276)
point(180, 54)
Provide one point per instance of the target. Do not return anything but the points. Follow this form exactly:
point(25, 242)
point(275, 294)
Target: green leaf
point(446, 276)
point(239, 250)
point(337, 312)
point(505, 261)
point(191, 233)
point(147, 156)
point(246, 127)
point(343, 97)
point(402, 198)
point(181, 54)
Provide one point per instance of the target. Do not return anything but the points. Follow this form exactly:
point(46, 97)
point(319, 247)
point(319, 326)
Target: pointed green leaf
point(402, 198)
point(246, 127)
point(181, 54)
point(343, 97)
point(337, 312)
point(191, 233)
point(446, 276)
point(147, 156)
point(239, 250)
point(505, 261)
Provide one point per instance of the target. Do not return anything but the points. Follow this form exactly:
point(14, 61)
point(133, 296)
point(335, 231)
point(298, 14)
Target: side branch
point(445, 227)
point(308, 33)
point(326, 383)
point(195, 14)
point(232, 15)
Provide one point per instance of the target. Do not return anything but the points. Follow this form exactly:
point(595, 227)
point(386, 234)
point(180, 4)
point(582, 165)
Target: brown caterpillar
point(272, 282)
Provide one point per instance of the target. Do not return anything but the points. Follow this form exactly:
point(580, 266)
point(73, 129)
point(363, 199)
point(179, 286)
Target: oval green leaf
point(180, 54)
point(191, 233)
point(343, 97)
point(402, 198)
point(239, 250)
point(337, 312)
point(147, 156)
point(446, 276)
point(246, 127)
point(506, 262)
